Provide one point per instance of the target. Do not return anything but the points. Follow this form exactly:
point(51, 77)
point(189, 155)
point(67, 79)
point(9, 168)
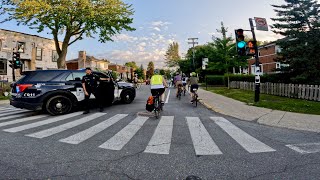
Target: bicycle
point(157, 105)
point(184, 90)
point(137, 85)
point(195, 97)
point(179, 91)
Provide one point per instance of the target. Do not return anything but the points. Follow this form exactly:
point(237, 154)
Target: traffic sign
point(261, 24)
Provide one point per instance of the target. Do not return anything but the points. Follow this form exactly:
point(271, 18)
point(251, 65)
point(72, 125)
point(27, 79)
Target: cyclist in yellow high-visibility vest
point(158, 85)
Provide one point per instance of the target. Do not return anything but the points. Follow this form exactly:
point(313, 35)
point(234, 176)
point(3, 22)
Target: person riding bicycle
point(184, 81)
point(135, 80)
point(158, 85)
point(193, 81)
point(178, 82)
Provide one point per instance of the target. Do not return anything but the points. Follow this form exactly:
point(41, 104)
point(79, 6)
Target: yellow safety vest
point(156, 80)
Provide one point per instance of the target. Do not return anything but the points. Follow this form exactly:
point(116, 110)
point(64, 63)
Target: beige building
point(84, 61)
point(35, 52)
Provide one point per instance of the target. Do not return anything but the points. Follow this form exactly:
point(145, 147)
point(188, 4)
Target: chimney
point(82, 59)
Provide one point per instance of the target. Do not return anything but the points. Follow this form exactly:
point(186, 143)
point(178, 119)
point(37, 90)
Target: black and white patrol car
point(60, 91)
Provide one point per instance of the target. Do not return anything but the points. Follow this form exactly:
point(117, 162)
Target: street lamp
point(193, 50)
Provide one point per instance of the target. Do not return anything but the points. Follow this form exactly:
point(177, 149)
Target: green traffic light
point(241, 44)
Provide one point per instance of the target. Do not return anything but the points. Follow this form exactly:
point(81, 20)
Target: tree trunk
point(61, 62)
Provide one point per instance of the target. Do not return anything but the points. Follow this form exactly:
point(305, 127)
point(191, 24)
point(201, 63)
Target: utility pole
point(193, 50)
point(257, 64)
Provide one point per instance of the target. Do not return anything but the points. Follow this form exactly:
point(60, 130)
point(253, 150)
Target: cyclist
point(184, 81)
point(178, 82)
point(135, 80)
point(193, 81)
point(158, 85)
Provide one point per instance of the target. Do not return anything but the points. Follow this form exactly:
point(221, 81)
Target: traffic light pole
point(257, 69)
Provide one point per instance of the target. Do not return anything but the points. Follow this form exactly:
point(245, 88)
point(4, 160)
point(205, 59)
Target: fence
point(299, 91)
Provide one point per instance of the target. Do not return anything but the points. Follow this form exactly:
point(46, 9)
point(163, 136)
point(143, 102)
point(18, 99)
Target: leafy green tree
point(140, 72)
point(299, 22)
point(172, 56)
point(131, 64)
point(70, 19)
point(150, 69)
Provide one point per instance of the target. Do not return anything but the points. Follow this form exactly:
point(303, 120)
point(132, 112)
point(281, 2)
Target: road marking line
point(22, 120)
point(249, 143)
point(118, 141)
point(41, 123)
point(13, 113)
point(168, 95)
point(90, 132)
point(10, 111)
point(63, 127)
point(161, 139)
point(15, 116)
point(6, 108)
point(202, 141)
point(305, 148)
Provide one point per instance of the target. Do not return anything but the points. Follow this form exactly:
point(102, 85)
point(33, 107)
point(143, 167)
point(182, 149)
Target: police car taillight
point(22, 87)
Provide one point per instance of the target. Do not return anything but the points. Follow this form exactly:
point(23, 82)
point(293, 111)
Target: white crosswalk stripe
point(88, 133)
point(63, 127)
point(118, 141)
point(16, 116)
point(12, 112)
point(202, 141)
point(248, 142)
point(161, 140)
point(22, 120)
point(41, 123)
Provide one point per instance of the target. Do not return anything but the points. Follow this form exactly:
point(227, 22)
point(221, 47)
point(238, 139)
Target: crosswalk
point(160, 142)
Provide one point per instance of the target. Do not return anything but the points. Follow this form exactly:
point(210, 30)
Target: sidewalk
point(240, 110)
point(4, 102)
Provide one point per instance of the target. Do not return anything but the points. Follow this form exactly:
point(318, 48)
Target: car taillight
point(22, 87)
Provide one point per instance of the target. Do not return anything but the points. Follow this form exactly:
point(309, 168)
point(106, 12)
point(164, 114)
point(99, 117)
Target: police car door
point(74, 80)
point(106, 88)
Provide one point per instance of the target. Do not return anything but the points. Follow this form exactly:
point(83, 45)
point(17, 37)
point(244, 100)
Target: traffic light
point(240, 43)
point(251, 51)
point(16, 60)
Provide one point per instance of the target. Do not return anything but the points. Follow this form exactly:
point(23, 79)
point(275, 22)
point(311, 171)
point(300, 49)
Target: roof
point(89, 58)
point(26, 34)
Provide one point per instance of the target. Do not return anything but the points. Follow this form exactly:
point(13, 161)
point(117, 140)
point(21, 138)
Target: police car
point(60, 91)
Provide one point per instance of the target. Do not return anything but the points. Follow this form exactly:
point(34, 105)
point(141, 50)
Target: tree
point(150, 69)
point(140, 72)
point(131, 64)
point(70, 19)
point(299, 22)
point(172, 56)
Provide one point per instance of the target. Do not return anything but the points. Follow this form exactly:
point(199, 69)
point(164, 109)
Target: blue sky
point(160, 22)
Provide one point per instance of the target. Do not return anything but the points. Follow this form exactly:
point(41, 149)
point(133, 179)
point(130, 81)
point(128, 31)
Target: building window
point(21, 47)
point(39, 54)
point(3, 66)
point(39, 68)
point(55, 56)
point(0, 45)
point(278, 65)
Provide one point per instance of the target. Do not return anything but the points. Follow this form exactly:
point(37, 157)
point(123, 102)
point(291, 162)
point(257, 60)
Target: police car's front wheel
point(127, 97)
point(59, 104)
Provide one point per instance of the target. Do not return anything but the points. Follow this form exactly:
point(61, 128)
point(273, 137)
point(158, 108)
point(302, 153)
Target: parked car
point(60, 91)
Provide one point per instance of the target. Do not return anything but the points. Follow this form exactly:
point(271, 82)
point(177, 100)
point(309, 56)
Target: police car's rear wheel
point(58, 105)
point(127, 97)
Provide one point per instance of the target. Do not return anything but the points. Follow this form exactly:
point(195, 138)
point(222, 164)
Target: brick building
point(84, 61)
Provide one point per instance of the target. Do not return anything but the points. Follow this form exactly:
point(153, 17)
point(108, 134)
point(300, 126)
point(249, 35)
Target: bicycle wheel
point(156, 108)
point(196, 100)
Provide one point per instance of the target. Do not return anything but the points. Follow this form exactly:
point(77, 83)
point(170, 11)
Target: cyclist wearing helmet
point(158, 85)
point(193, 81)
point(184, 81)
point(178, 82)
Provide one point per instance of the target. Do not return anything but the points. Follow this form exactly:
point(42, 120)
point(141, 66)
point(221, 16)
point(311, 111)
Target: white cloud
point(125, 38)
point(157, 29)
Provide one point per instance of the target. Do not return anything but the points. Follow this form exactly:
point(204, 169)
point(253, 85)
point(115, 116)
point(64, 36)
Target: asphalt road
point(119, 144)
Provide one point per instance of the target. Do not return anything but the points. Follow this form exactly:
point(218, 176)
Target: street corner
point(208, 106)
point(4, 102)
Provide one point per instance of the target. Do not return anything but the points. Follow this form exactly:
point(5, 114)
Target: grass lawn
point(4, 97)
point(270, 101)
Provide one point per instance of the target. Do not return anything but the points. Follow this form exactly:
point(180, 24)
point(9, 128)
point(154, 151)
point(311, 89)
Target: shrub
point(215, 80)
